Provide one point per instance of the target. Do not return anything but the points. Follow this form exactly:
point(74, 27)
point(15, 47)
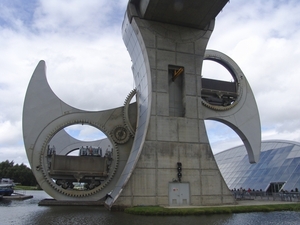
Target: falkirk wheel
point(160, 153)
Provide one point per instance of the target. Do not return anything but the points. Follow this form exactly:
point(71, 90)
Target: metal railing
point(286, 196)
point(262, 195)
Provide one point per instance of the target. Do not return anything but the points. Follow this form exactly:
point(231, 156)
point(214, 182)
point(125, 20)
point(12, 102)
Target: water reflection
point(79, 215)
point(28, 212)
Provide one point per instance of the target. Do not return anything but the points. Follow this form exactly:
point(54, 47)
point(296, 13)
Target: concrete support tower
point(167, 43)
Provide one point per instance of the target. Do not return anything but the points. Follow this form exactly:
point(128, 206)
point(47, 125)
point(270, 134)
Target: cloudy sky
point(89, 68)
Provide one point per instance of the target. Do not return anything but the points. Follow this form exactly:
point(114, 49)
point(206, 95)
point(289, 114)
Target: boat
point(6, 187)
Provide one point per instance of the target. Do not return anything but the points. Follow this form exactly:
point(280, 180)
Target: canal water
point(28, 212)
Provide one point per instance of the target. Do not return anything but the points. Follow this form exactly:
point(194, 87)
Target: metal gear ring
point(44, 169)
point(120, 134)
point(235, 72)
point(125, 112)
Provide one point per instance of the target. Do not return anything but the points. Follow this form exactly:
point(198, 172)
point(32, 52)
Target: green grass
point(160, 211)
point(20, 187)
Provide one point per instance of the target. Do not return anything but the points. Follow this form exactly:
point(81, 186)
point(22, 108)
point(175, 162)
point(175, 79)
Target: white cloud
point(263, 38)
point(86, 59)
point(85, 132)
point(9, 133)
point(71, 16)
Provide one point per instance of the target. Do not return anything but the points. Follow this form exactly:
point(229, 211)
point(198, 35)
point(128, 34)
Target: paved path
point(240, 203)
point(263, 202)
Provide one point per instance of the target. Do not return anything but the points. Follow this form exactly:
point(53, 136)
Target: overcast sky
point(89, 67)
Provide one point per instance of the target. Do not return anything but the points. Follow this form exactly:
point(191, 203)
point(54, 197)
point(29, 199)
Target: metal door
point(179, 194)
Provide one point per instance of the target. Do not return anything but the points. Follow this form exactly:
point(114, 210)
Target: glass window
point(288, 186)
point(285, 177)
point(295, 161)
point(287, 162)
point(275, 165)
point(273, 171)
point(290, 169)
point(297, 170)
point(279, 173)
point(267, 179)
point(297, 184)
point(294, 178)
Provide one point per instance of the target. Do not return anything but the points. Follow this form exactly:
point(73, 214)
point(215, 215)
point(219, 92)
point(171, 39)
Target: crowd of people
point(242, 193)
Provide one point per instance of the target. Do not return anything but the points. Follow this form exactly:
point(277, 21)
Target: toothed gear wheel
point(231, 66)
point(223, 108)
point(120, 135)
point(125, 112)
point(44, 166)
point(218, 108)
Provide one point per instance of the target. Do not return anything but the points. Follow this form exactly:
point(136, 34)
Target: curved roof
point(279, 163)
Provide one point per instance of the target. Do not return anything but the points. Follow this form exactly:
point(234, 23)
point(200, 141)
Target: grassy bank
point(20, 187)
point(160, 211)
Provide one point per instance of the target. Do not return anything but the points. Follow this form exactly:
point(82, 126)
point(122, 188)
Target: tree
point(19, 173)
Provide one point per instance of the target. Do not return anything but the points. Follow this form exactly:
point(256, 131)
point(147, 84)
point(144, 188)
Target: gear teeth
point(217, 108)
point(224, 108)
point(129, 96)
point(80, 194)
point(125, 112)
point(124, 132)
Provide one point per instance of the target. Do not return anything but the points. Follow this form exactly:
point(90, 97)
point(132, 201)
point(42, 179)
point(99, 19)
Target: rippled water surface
point(28, 212)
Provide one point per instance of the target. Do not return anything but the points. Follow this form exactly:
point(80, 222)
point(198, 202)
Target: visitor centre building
point(278, 168)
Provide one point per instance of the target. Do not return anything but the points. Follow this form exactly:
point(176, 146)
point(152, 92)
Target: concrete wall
point(172, 139)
